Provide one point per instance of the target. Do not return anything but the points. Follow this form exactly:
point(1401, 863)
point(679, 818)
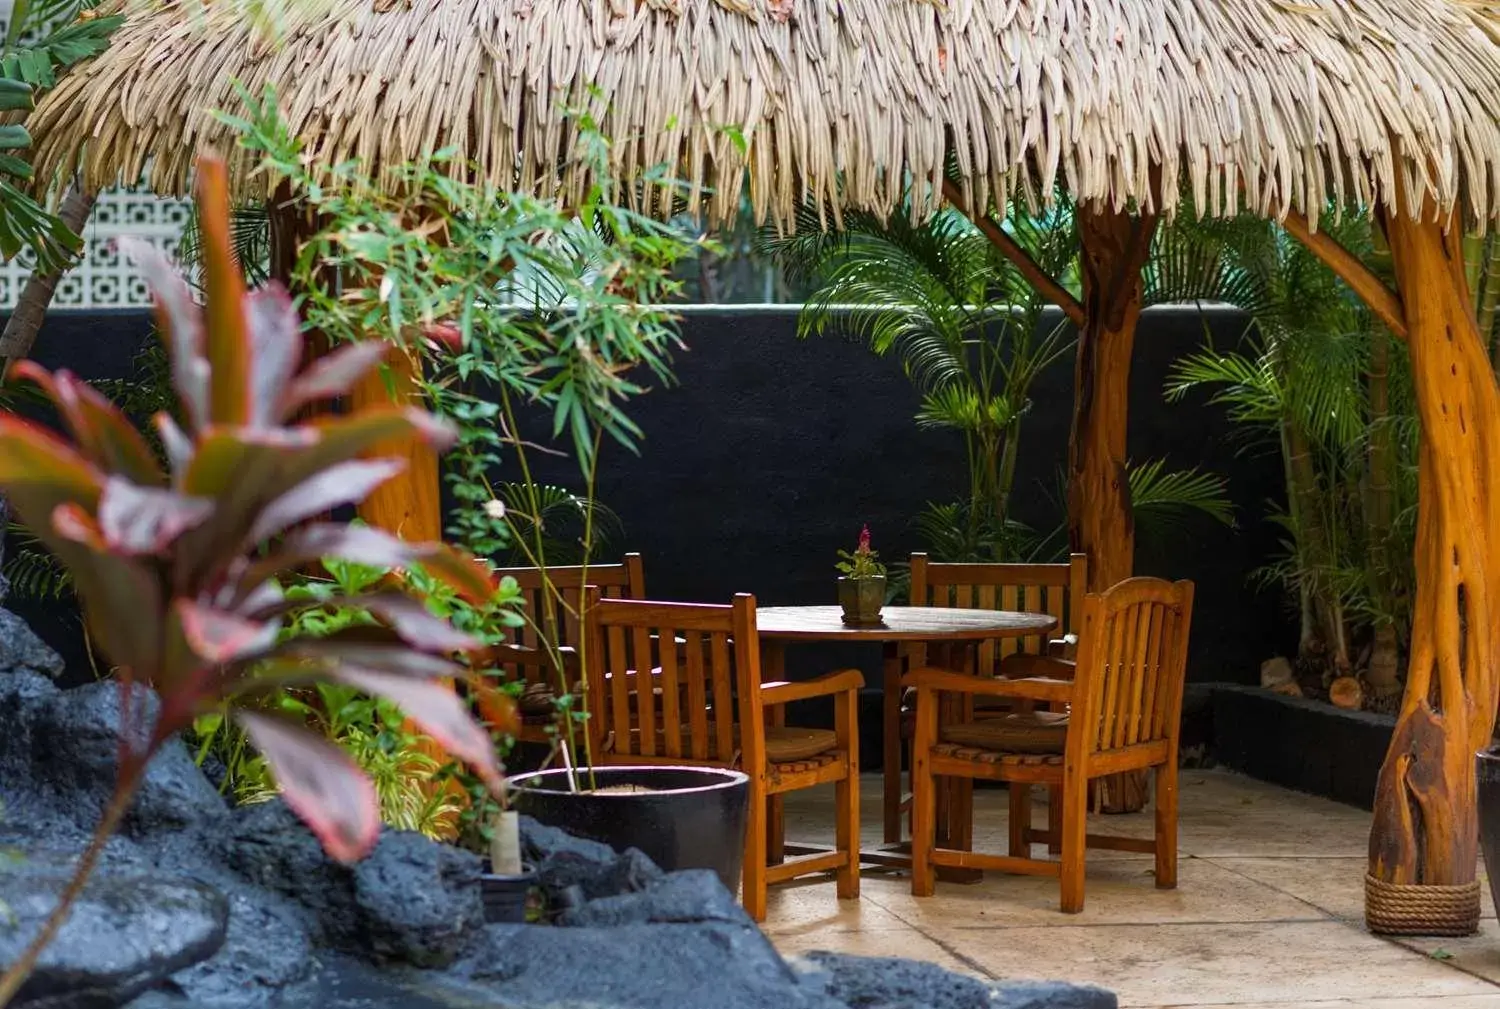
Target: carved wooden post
point(1100, 521)
point(1424, 841)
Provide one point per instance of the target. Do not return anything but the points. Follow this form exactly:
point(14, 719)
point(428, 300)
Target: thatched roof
point(1298, 101)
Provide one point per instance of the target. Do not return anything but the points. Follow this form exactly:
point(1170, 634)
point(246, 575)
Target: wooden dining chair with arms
point(712, 709)
point(1125, 708)
point(1055, 589)
point(527, 659)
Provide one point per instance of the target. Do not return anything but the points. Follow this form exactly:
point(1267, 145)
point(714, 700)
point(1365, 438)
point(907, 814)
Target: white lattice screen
point(101, 280)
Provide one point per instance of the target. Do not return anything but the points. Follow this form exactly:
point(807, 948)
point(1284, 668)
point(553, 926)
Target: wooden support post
point(1101, 524)
point(1425, 835)
point(409, 505)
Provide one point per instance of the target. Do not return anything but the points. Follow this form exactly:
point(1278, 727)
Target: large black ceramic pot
point(1487, 771)
point(682, 817)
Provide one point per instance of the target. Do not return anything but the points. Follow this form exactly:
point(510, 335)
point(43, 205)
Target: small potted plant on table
point(862, 585)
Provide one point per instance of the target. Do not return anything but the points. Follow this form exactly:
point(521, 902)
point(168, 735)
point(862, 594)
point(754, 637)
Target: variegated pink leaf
point(138, 520)
point(276, 343)
point(333, 375)
point(217, 636)
point(345, 483)
point(437, 711)
point(181, 319)
point(321, 784)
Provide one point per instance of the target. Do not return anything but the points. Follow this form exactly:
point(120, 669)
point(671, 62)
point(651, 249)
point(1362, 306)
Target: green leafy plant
point(964, 322)
point(181, 570)
point(1319, 379)
point(525, 312)
point(45, 37)
point(862, 562)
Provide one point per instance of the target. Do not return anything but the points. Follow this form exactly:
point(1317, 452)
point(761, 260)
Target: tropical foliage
point(180, 570)
point(970, 333)
point(1323, 384)
point(534, 324)
point(45, 37)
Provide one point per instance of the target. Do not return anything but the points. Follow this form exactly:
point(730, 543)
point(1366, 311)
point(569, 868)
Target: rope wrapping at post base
point(1420, 909)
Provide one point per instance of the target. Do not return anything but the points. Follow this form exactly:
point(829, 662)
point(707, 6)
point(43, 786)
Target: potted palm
point(862, 583)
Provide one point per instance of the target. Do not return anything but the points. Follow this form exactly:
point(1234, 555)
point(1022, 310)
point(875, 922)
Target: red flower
point(864, 540)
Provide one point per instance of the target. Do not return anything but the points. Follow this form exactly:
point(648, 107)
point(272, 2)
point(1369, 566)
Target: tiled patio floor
point(1267, 914)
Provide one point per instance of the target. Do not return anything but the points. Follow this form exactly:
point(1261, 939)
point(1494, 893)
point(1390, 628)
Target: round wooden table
point(910, 625)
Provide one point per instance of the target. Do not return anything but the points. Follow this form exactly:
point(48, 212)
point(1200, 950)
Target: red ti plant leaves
point(321, 784)
point(179, 317)
point(229, 345)
point(102, 432)
point(333, 375)
point(345, 483)
point(437, 711)
point(176, 587)
point(139, 520)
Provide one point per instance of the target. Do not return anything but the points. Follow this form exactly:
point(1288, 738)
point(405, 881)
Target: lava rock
point(124, 935)
point(20, 648)
point(694, 895)
point(892, 983)
point(418, 901)
point(634, 967)
point(563, 862)
point(268, 846)
point(77, 744)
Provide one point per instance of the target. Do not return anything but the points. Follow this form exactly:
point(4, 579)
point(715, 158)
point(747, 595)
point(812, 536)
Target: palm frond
point(1162, 496)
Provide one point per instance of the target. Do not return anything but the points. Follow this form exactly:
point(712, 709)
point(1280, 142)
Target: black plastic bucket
point(505, 896)
point(693, 817)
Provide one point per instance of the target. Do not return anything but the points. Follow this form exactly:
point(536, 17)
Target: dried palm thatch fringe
point(1295, 101)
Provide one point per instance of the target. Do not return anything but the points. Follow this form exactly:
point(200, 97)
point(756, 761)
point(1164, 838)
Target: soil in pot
point(680, 817)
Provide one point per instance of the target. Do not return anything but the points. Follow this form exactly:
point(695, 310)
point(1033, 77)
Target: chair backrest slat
point(1055, 589)
point(673, 679)
point(1132, 662)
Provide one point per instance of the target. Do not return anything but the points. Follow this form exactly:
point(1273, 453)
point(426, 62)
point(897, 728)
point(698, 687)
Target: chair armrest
point(1033, 688)
point(1024, 665)
point(508, 652)
point(782, 692)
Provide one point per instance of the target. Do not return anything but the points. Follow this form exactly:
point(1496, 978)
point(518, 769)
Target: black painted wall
point(770, 452)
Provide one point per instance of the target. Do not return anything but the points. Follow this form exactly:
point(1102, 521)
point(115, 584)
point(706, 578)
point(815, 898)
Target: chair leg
point(1074, 817)
point(890, 748)
point(1020, 819)
point(754, 873)
point(1054, 819)
point(923, 797)
point(1166, 825)
point(775, 830)
point(846, 794)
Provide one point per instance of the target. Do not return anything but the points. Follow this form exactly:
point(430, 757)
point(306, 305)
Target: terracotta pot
point(1487, 775)
point(862, 599)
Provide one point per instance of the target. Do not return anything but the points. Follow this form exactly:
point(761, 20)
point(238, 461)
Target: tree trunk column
point(408, 505)
point(1100, 519)
point(1424, 840)
point(1100, 522)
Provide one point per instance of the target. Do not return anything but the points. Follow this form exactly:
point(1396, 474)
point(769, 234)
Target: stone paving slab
point(1268, 913)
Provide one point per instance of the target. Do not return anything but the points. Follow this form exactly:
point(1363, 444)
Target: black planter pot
point(504, 896)
point(693, 819)
point(1487, 773)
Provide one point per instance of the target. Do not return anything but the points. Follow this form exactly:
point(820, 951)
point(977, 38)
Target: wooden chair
point(709, 707)
point(524, 658)
point(1056, 589)
point(1125, 714)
